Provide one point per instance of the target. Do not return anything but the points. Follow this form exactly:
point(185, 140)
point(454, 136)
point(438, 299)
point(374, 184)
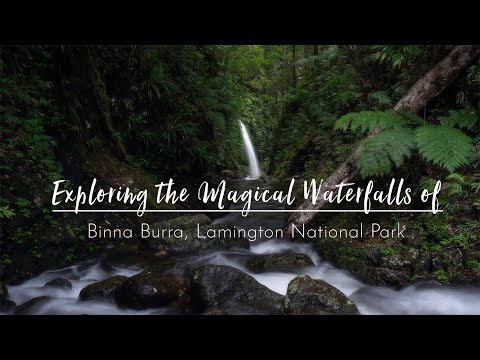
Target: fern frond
point(368, 120)
point(456, 177)
point(463, 119)
point(454, 189)
point(444, 146)
point(380, 98)
point(384, 150)
point(411, 119)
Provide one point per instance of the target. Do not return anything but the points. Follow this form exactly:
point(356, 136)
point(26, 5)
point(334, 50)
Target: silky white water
point(415, 299)
point(420, 298)
point(254, 166)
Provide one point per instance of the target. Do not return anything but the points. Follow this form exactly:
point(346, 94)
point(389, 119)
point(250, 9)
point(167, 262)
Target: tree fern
point(444, 146)
point(368, 120)
point(384, 150)
point(463, 119)
point(380, 98)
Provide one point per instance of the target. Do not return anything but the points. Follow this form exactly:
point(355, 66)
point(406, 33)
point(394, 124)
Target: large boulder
point(278, 262)
point(102, 290)
point(219, 288)
point(196, 235)
point(306, 296)
point(5, 303)
point(151, 289)
point(30, 307)
point(385, 276)
point(60, 283)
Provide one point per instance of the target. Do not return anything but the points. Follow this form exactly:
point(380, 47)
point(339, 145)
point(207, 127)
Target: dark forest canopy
point(143, 114)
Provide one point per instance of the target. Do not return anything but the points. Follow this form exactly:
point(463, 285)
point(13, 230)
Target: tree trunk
point(424, 90)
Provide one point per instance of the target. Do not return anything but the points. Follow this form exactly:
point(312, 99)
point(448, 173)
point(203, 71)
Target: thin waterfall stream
point(253, 163)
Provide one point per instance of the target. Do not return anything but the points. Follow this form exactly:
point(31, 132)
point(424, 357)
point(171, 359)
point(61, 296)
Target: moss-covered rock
point(151, 289)
point(306, 296)
point(103, 290)
point(278, 262)
point(224, 287)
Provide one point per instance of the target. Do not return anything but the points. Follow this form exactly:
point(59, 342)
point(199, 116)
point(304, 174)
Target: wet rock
point(306, 296)
point(151, 289)
point(224, 287)
point(10, 305)
point(278, 262)
point(228, 174)
point(195, 239)
point(102, 290)
point(385, 276)
point(429, 284)
point(29, 307)
point(59, 283)
point(3, 297)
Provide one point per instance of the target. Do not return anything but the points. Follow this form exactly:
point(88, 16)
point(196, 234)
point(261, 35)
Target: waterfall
point(252, 156)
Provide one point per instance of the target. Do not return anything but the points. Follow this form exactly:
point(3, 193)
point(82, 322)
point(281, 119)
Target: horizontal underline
point(240, 211)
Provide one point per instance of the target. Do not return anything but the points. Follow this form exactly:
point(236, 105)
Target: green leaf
point(368, 120)
point(444, 146)
point(463, 119)
point(381, 152)
point(381, 98)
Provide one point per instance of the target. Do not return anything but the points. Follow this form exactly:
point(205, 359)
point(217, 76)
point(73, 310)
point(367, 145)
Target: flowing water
point(251, 154)
point(416, 299)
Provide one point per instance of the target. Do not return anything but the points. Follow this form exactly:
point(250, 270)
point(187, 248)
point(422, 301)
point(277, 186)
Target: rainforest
point(250, 117)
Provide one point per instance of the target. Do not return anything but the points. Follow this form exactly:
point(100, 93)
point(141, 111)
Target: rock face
point(4, 302)
point(151, 289)
point(306, 296)
point(29, 307)
point(59, 283)
point(102, 290)
point(194, 235)
point(385, 276)
point(218, 288)
point(278, 262)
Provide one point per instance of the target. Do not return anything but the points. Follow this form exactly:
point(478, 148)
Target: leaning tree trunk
point(424, 90)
